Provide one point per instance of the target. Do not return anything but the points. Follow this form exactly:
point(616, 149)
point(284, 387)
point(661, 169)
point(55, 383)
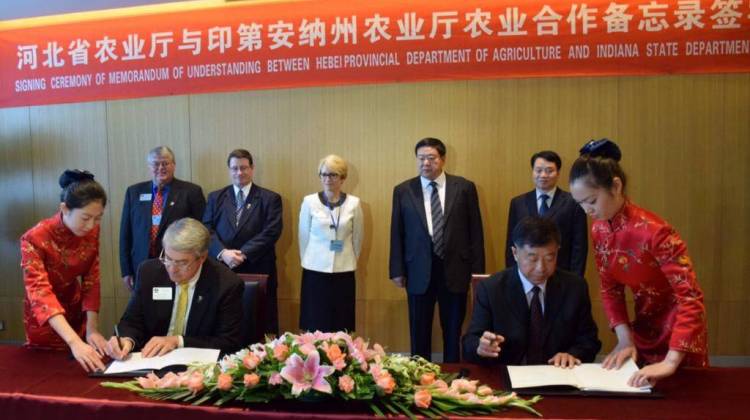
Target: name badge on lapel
point(145, 197)
point(161, 293)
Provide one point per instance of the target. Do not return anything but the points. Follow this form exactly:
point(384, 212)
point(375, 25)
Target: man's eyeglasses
point(178, 264)
point(160, 164)
point(329, 175)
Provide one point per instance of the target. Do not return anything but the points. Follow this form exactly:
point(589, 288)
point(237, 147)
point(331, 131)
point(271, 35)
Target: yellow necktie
point(182, 301)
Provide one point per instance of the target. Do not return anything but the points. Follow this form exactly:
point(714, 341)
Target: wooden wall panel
point(684, 140)
point(133, 128)
point(73, 136)
point(16, 213)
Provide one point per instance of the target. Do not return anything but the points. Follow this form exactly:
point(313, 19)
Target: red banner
point(320, 43)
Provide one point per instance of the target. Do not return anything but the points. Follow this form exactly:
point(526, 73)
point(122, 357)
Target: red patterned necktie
point(156, 207)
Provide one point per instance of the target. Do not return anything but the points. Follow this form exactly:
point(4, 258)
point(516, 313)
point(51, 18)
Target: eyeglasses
point(178, 264)
point(329, 175)
point(160, 164)
point(428, 158)
point(239, 168)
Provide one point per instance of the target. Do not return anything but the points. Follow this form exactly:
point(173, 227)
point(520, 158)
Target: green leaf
point(427, 413)
point(390, 407)
point(376, 410)
point(405, 410)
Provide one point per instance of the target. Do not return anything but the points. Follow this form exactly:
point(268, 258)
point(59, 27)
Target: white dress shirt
point(245, 190)
point(427, 196)
point(316, 234)
point(177, 292)
point(550, 194)
point(527, 286)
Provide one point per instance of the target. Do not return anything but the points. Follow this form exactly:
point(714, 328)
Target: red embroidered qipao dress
point(640, 250)
point(53, 259)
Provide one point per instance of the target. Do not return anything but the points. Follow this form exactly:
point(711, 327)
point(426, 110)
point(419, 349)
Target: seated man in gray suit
point(182, 299)
point(532, 313)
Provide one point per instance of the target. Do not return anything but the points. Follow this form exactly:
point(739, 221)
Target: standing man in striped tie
point(436, 244)
point(245, 223)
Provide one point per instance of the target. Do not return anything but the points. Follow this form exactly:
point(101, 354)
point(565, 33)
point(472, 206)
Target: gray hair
point(159, 151)
point(187, 235)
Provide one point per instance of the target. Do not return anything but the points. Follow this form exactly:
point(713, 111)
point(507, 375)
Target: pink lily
point(307, 374)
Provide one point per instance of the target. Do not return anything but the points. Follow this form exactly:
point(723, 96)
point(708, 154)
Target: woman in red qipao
point(59, 310)
point(638, 249)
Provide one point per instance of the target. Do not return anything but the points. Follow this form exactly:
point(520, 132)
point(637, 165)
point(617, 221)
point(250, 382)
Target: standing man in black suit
point(547, 200)
point(150, 207)
point(532, 313)
point(245, 223)
point(436, 244)
point(182, 299)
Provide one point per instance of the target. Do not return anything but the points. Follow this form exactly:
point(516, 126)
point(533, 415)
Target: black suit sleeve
point(228, 333)
point(260, 244)
point(209, 215)
point(586, 344)
point(509, 260)
point(481, 321)
point(197, 202)
point(475, 229)
point(580, 242)
point(126, 238)
point(133, 322)
point(396, 259)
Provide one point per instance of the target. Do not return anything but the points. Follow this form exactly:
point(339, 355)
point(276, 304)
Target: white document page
point(593, 377)
point(587, 377)
point(532, 376)
point(183, 356)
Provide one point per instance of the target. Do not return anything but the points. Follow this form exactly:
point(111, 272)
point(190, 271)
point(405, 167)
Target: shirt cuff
point(132, 342)
point(181, 343)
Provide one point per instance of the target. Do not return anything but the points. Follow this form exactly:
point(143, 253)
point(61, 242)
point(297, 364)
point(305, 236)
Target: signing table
point(37, 384)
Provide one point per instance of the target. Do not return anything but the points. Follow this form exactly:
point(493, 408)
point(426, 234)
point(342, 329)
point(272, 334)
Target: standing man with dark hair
point(532, 313)
point(436, 244)
point(245, 223)
point(549, 201)
point(150, 207)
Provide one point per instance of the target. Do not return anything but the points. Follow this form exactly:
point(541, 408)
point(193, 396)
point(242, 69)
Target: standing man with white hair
point(150, 207)
point(182, 299)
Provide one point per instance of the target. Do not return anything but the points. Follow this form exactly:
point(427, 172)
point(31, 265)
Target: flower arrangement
point(315, 366)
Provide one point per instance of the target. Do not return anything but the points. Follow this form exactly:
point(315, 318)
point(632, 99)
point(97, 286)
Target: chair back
point(475, 279)
point(254, 302)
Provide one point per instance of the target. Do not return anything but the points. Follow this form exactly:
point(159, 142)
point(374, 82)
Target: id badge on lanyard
point(336, 245)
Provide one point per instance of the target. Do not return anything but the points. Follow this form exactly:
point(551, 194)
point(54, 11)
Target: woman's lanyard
point(334, 222)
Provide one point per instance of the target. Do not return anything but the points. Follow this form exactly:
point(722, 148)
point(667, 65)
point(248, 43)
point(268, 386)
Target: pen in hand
point(119, 340)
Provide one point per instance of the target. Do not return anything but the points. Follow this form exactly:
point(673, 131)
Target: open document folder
point(589, 377)
point(136, 364)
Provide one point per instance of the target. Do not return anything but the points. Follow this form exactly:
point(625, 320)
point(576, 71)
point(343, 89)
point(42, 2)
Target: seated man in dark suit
point(150, 207)
point(183, 299)
point(245, 223)
point(550, 201)
point(532, 313)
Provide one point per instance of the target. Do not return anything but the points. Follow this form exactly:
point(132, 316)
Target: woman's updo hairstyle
point(80, 189)
point(598, 164)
